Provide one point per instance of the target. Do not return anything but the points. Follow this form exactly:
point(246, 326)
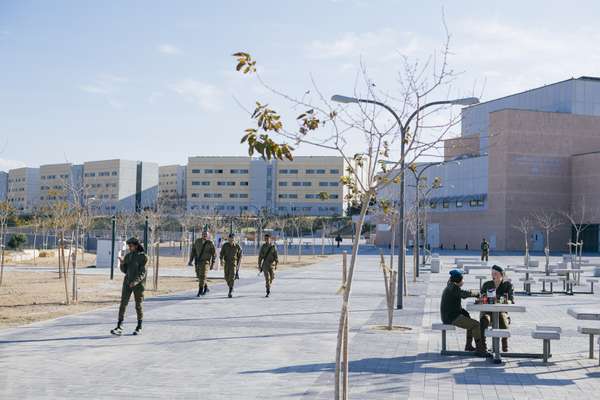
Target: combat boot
point(230, 295)
point(505, 345)
point(469, 343)
point(138, 328)
point(206, 289)
point(118, 331)
point(268, 292)
point(481, 349)
point(200, 292)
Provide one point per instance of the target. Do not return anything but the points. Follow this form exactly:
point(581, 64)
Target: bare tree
point(579, 218)
point(524, 226)
point(549, 221)
point(332, 127)
point(6, 210)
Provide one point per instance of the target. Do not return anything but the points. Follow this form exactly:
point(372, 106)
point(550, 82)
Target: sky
point(155, 81)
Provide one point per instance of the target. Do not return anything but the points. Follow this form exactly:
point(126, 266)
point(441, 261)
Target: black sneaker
point(138, 331)
point(118, 331)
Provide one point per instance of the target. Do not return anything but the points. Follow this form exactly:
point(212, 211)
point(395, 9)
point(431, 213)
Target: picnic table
point(588, 314)
point(568, 282)
point(495, 310)
point(527, 271)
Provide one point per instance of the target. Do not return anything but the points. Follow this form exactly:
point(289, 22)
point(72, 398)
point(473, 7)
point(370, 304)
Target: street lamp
point(466, 101)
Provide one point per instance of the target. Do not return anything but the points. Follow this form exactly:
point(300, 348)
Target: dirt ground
point(27, 297)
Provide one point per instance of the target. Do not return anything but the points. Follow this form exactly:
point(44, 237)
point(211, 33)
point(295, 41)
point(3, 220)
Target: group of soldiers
point(202, 257)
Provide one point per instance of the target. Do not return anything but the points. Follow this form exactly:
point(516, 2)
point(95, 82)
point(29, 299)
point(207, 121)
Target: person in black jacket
point(503, 289)
point(453, 313)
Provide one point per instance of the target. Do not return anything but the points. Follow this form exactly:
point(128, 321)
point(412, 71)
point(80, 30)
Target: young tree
point(549, 222)
point(524, 226)
point(331, 127)
point(579, 218)
point(6, 210)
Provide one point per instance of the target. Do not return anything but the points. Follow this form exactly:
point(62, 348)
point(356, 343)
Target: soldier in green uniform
point(485, 249)
point(134, 268)
point(453, 314)
point(267, 262)
point(503, 289)
point(203, 255)
point(231, 257)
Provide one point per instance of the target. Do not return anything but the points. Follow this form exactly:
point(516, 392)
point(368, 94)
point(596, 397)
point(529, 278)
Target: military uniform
point(267, 261)
point(505, 289)
point(231, 256)
point(453, 314)
point(134, 268)
point(485, 250)
point(203, 255)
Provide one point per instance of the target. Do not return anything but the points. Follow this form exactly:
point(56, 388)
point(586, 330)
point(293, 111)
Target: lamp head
point(343, 99)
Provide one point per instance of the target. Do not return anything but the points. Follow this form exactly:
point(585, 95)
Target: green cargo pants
point(138, 295)
point(229, 271)
point(269, 276)
point(469, 324)
point(201, 272)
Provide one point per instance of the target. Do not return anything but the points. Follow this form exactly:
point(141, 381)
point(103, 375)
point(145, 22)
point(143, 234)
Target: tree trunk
point(157, 264)
point(547, 253)
point(2, 254)
point(61, 262)
point(323, 239)
point(34, 240)
point(343, 323)
point(74, 288)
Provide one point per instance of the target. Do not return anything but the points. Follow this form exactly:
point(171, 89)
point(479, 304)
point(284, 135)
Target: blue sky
point(153, 80)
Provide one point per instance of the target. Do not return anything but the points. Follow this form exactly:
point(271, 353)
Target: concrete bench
point(591, 332)
point(468, 267)
point(550, 280)
point(534, 263)
point(444, 328)
point(463, 260)
point(527, 284)
point(435, 265)
point(546, 336)
point(481, 278)
point(497, 333)
point(591, 281)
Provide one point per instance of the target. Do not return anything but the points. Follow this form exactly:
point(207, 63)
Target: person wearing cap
point(267, 262)
point(485, 250)
point(203, 255)
point(453, 313)
point(134, 268)
point(231, 257)
point(503, 288)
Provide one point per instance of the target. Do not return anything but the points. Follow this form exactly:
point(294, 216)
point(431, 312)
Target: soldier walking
point(203, 255)
point(134, 268)
point(485, 249)
point(231, 257)
point(267, 262)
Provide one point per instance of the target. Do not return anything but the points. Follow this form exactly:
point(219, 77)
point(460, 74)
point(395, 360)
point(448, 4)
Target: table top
point(495, 307)
point(573, 271)
point(528, 271)
point(585, 313)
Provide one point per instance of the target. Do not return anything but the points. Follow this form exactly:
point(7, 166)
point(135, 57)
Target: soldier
point(203, 253)
point(231, 257)
point(485, 250)
point(267, 262)
point(503, 289)
point(134, 268)
point(453, 314)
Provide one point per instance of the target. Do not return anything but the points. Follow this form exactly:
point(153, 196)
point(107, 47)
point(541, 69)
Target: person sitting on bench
point(453, 314)
point(503, 289)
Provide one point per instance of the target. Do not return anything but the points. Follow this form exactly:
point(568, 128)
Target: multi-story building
point(120, 185)
point(23, 189)
point(3, 185)
point(172, 185)
point(234, 185)
point(60, 182)
point(521, 155)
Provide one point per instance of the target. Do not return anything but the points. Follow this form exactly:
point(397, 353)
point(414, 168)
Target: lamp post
point(404, 127)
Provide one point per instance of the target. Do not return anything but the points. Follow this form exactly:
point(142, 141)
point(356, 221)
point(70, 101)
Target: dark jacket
point(134, 268)
point(505, 289)
point(231, 255)
point(450, 306)
point(485, 246)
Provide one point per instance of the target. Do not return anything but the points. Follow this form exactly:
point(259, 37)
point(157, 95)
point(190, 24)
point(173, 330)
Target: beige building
point(539, 152)
point(234, 185)
point(60, 182)
point(120, 185)
point(23, 189)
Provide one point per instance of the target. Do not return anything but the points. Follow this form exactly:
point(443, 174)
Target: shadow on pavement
point(15, 341)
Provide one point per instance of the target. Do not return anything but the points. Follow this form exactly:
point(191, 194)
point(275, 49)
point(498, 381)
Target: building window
point(333, 196)
point(243, 195)
point(283, 171)
point(218, 171)
point(320, 171)
point(195, 171)
point(306, 183)
point(310, 171)
point(208, 171)
point(233, 195)
point(309, 196)
point(432, 204)
point(479, 203)
point(293, 171)
point(334, 171)
point(283, 183)
point(459, 204)
point(446, 204)
point(244, 183)
point(473, 203)
point(114, 173)
point(296, 183)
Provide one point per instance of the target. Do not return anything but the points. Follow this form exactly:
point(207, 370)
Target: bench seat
point(498, 333)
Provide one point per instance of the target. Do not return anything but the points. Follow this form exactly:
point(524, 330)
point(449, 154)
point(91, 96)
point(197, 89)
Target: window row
point(101, 173)
point(219, 171)
point(457, 204)
point(219, 183)
point(220, 195)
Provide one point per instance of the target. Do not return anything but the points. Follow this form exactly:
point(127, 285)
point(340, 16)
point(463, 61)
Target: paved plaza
point(250, 347)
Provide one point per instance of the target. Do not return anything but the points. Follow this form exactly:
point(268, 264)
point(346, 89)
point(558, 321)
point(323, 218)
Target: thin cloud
point(107, 86)
point(168, 49)
point(208, 97)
